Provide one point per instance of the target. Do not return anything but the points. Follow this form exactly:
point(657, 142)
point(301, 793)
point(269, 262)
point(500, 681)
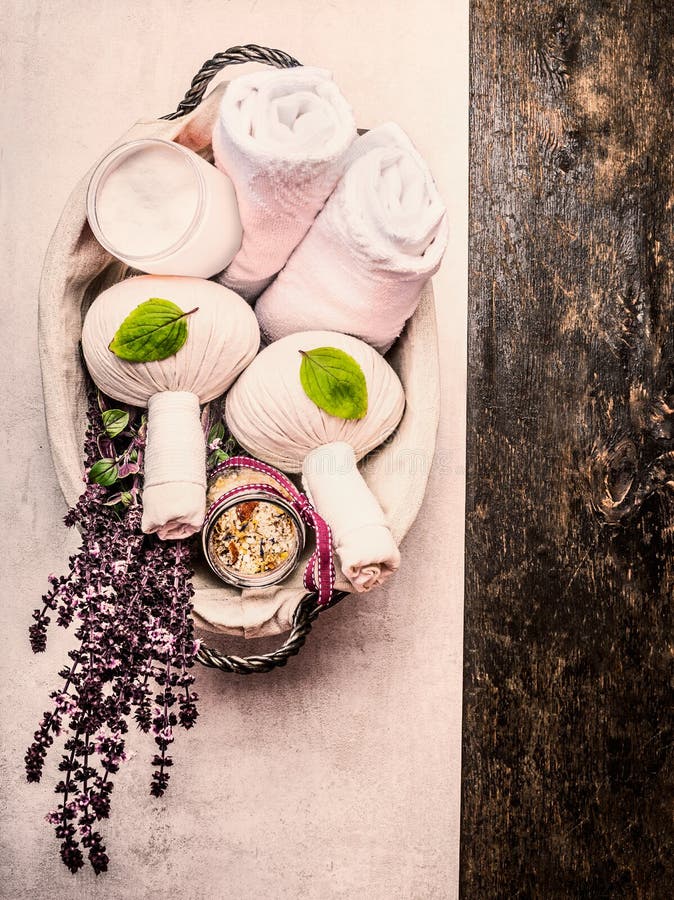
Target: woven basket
point(77, 269)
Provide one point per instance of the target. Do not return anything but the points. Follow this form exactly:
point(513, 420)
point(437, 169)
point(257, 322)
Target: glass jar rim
point(103, 167)
point(226, 468)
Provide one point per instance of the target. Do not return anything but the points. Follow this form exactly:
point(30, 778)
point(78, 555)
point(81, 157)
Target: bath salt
point(252, 537)
point(148, 201)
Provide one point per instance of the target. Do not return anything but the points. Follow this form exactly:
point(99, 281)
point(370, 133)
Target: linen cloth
point(77, 268)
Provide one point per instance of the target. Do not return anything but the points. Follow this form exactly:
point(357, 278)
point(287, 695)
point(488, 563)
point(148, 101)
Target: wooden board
point(568, 737)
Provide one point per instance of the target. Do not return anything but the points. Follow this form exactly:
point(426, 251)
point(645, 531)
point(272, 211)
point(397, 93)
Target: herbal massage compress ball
point(222, 338)
point(269, 413)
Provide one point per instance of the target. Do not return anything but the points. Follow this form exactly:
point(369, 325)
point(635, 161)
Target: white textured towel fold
point(363, 264)
point(281, 136)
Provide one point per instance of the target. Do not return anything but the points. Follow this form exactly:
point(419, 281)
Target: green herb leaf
point(216, 433)
point(334, 381)
point(154, 330)
point(104, 471)
point(217, 456)
point(115, 421)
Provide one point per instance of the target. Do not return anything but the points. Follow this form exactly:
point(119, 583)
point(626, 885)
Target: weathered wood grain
point(568, 785)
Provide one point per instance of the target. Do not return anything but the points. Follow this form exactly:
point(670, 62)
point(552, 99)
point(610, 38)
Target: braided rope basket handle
point(235, 56)
point(303, 618)
point(308, 609)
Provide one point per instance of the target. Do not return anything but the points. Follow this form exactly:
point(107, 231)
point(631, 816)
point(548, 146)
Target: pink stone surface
point(337, 777)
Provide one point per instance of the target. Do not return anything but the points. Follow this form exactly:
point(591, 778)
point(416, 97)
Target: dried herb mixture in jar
point(252, 537)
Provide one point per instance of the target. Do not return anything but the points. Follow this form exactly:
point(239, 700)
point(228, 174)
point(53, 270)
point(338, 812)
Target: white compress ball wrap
point(269, 414)
point(363, 264)
point(223, 338)
point(280, 136)
point(175, 470)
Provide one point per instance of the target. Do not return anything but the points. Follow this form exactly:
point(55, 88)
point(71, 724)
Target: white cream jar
point(164, 210)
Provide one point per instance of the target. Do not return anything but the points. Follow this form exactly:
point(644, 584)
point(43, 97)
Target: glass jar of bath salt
point(162, 209)
point(252, 536)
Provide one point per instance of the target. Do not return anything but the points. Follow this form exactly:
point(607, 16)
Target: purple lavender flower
point(130, 595)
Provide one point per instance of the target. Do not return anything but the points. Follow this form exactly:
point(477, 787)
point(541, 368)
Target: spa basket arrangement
point(237, 329)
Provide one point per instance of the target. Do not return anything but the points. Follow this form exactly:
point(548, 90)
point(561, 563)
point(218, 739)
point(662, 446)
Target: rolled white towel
point(362, 266)
point(281, 136)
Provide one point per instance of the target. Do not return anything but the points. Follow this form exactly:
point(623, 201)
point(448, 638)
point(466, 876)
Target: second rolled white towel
point(281, 136)
point(362, 266)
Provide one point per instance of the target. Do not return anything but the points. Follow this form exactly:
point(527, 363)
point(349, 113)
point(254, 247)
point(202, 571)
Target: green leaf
point(217, 456)
point(216, 433)
point(104, 471)
point(334, 381)
point(154, 330)
point(115, 421)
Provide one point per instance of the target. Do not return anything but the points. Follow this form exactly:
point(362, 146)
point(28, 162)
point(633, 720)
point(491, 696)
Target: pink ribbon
point(321, 562)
